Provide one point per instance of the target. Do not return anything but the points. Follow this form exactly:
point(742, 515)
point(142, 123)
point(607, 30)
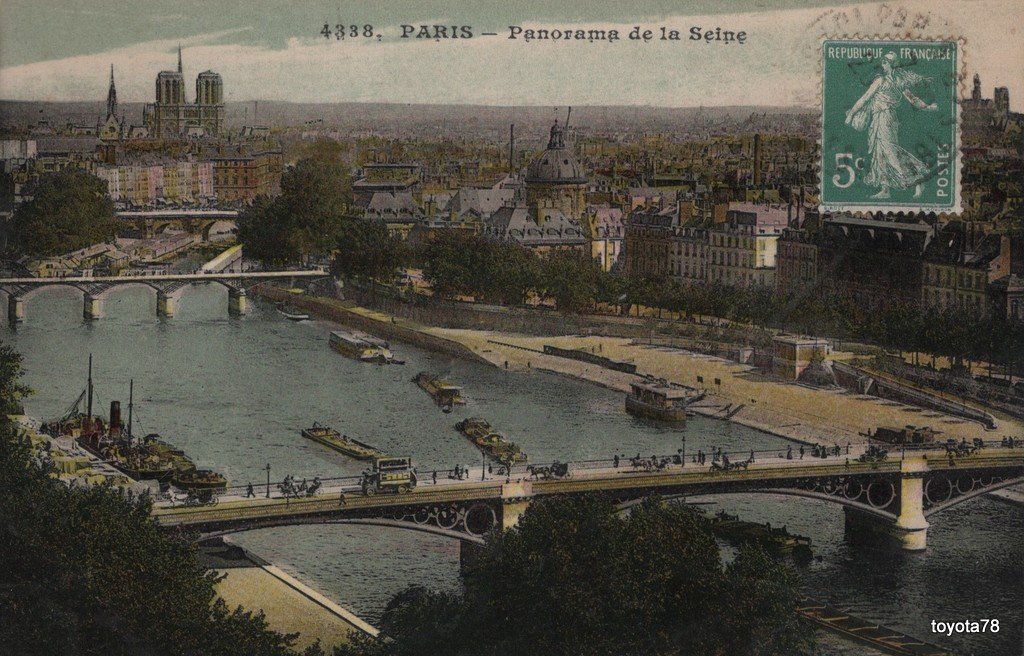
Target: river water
point(234, 393)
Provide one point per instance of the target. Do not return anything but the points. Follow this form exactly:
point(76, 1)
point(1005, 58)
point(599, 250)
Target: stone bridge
point(894, 497)
point(168, 288)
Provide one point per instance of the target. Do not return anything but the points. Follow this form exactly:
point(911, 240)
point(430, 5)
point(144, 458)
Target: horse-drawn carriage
point(544, 472)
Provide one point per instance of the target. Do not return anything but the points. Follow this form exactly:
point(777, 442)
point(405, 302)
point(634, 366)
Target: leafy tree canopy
point(576, 578)
point(88, 571)
point(69, 210)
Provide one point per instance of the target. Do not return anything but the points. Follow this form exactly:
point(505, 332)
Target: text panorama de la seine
point(638, 33)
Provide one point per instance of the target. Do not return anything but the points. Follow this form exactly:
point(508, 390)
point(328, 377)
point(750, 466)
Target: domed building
point(555, 179)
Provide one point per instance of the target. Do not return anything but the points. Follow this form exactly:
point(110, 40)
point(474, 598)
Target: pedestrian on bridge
point(751, 455)
point(615, 461)
point(249, 492)
point(341, 498)
point(434, 477)
point(801, 451)
point(789, 452)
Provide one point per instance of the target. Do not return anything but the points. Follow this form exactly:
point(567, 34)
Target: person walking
point(615, 461)
point(433, 478)
point(341, 498)
point(801, 451)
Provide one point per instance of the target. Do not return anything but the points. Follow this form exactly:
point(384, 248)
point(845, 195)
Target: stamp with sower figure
point(890, 126)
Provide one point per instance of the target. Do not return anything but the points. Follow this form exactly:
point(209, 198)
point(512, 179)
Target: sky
point(272, 49)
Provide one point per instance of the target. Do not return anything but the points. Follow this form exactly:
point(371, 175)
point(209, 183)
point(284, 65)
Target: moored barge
point(661, 400)
point(362, 347)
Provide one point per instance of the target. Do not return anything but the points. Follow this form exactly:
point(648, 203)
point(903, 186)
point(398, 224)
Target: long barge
point(884, 639)
point(332, 439)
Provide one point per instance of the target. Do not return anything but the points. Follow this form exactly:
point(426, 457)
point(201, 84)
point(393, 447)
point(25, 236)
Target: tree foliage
point(306, 219)
point(457, 263)
point(575, 578)
point(366, 250)
point(68, 211)
point(88, 571)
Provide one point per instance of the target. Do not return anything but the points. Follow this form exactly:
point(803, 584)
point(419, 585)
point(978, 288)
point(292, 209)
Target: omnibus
point(390, 475)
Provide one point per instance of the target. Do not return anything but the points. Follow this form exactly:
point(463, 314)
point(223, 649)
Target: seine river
point(234, 394)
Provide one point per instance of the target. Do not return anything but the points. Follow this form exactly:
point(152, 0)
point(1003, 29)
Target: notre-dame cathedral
point(172, 116)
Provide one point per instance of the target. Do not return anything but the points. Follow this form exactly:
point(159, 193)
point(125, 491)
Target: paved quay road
point(234, 394)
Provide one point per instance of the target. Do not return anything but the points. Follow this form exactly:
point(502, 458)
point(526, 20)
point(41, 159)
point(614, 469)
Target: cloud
point(777, 65)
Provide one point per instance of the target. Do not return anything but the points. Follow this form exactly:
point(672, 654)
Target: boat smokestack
point(115, 417)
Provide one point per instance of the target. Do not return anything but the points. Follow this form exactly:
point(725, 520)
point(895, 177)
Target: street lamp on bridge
point(268, 479)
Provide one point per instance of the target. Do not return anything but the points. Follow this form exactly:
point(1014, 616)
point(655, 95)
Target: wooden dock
point(880, 637)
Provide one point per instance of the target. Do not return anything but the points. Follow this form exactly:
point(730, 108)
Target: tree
point(68, 211)
point(365, 249)
point(88, 571)
point(574, 577)
point(570, 278)
point(307, 217)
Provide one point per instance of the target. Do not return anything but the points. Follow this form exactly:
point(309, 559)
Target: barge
point(362, 347)
point(491, 443)
point(444, 393)
point(332, 439)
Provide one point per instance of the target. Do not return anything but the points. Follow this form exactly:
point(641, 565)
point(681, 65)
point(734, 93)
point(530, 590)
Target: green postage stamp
point(890, 128)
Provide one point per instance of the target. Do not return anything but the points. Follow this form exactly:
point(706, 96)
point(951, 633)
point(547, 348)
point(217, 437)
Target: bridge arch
point(361, 521)
point(794, 492)
point(967, 496)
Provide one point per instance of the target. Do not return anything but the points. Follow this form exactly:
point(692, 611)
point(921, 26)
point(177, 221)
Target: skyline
point(306, 68)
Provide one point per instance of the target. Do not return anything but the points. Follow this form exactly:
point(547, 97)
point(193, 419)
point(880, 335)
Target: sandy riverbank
point(289, 605)
point(784, 408)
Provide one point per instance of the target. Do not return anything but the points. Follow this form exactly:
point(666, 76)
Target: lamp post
point(268, 479)
point(483, 465)
point(684, 451)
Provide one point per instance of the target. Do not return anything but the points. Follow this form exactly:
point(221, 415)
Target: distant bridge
point(200, 221)
point(895, 496)
point(168, 288)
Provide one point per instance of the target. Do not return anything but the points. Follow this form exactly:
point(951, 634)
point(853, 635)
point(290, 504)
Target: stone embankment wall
point(862, 381)
point(336, 310)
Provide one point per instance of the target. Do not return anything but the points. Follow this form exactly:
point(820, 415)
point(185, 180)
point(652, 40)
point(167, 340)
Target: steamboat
point(661, 400)
point(145, 458)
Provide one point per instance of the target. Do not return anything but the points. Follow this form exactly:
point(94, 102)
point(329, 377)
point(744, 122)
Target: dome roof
point(557, 164)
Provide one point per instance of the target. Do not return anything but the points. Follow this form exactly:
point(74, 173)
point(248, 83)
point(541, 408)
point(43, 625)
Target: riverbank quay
point(787, 409)
point(72, 465)
point(289, 605)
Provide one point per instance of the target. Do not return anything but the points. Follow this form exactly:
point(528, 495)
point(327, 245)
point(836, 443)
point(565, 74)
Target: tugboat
point(444, 393)
point(661, 400)
point(362, 347)
point(342, 443)
point(491, 443)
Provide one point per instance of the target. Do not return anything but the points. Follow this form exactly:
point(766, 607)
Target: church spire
point(179, 58)
point(112, 95)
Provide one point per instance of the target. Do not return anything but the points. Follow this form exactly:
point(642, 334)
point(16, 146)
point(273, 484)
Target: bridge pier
point(515, 499)
point(92, 308)
point(164, 304)
point(237, 304)
point(910, 528)
point(15, 309)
